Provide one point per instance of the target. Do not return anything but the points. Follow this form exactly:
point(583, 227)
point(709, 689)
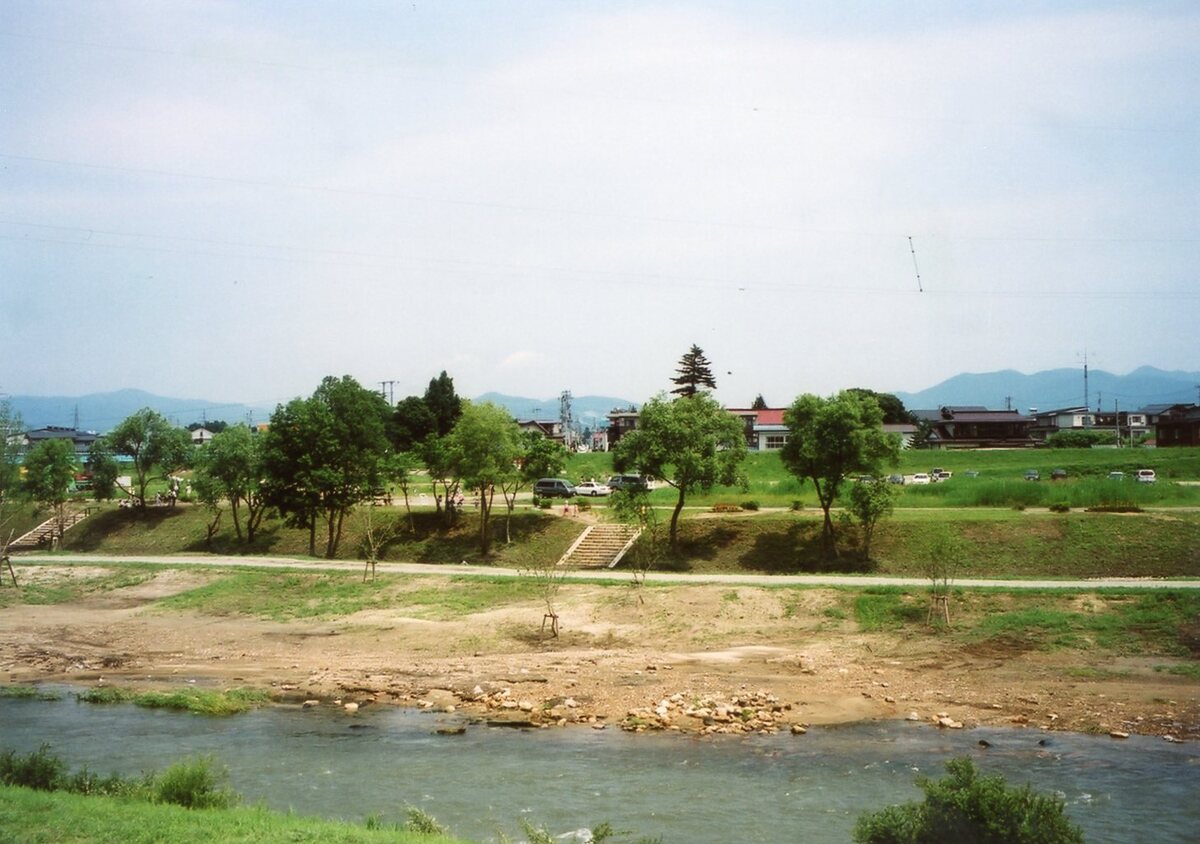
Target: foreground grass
point(288, 595)
point(39, 816)
point(70, 588)
point(1125, 623)
point(197, 701)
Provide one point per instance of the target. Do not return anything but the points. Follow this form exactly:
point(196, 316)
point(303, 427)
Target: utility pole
point(564, 417)
point(1117, 417)
point(1008, 402)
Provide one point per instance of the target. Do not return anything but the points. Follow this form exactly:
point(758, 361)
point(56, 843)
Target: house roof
point(899, 428)
point(54, 432)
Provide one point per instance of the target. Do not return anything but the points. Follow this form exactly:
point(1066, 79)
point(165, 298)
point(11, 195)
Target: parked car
point(1146, 476)
point(1033, 475)
point(942, 475)
point(971, 473)
point(592, 488)
point(920, 478)
point(553, 488)
point(633, 483)
point(1058, 475)
point(895, 479)
point(1116, 476)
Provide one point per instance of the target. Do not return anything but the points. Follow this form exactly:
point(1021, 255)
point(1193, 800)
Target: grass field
point(28, 815)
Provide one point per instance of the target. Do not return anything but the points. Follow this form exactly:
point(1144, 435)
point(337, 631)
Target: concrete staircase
point(600, 546)
point(43, 534)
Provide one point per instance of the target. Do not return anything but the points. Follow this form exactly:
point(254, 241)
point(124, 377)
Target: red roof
point(770, 416)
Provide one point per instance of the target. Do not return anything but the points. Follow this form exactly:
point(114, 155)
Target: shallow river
point(777, 788)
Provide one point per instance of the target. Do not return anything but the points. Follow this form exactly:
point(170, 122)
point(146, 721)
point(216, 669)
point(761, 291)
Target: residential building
point(81, 440)
point(1178, 426)
point(973, 426)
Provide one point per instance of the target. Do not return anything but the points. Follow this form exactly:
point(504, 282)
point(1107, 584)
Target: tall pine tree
point(693, 373)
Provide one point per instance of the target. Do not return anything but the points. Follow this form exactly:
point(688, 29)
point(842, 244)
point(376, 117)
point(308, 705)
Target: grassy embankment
point(27, 815)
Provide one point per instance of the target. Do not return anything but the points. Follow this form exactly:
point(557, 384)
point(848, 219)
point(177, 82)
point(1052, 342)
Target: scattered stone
point(949, 723)
point(984, 743)
point(451, 731)
point(889, 699)
point(799, 729)
point(912, 716)
point(1118, 734)
point(309, 704)
point(350, 707)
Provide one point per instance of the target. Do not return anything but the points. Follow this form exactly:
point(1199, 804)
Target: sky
point(231, 201)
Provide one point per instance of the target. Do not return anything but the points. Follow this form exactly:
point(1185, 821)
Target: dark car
point(1058, 475)
point(553, 488)
point(1033, 475)
point(629, 483)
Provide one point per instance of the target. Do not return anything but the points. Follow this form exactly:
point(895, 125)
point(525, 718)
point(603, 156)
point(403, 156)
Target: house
point(973, 426)
point(550, 429)
point(906, 432)
point(81, 440)
point(1178, 426)
point(621, 422)
point(764, 427)
point(202, 436)
point(1047, 422)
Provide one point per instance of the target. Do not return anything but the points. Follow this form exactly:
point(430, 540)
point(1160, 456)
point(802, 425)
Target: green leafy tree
point(104, 468)
point(967, 807)
point(231, 466)
point(10, 459)
point(485, 449)
point(692, 443)
point(537, 457)
point(325, 454)
point(830, 438)
point(693, 373)
point(443, 403)
point(439, 463)
point(870, 501)
point(49, 471)
point(894, 412)
point(156, 447)
point(412, 422)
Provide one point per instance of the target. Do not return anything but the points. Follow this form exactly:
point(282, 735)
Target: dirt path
point(618, 576)
point(698, 657)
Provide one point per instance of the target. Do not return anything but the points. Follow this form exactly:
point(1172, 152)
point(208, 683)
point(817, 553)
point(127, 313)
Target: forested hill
point(1057, 388)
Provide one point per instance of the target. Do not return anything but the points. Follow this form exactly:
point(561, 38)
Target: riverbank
point(698, 658)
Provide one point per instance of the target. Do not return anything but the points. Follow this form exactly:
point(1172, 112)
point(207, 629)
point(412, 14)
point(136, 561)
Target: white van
point(1146, 476)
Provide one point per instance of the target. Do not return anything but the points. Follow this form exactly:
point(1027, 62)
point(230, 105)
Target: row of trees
point(694, 444)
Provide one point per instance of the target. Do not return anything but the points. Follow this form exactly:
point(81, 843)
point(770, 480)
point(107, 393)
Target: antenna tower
point(564, 417)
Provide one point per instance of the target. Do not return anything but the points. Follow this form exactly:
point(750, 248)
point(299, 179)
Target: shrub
point(195, 784)
point(1115, 508)
point(423, 822)
point(750, 505)
point(966, 807)
point(720, 507)
point(797, 505)
point(1060, 507)
point(40, 770)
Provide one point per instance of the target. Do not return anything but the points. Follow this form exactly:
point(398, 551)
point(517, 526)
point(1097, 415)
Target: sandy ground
point(698, 658)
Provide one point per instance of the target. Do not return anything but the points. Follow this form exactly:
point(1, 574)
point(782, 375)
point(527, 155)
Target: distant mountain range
point(101, 412)
point(1054, 388)
point(1058, 388)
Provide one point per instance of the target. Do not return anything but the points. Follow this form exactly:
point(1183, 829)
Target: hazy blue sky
point(231, 200)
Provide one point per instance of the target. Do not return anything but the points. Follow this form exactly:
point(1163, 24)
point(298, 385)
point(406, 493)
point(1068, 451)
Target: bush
point(1115, 508)
point(40, 770)
point(195, 784)
point(1060, 507)
point(966, 807)
point(750, 505)
point(797, 505)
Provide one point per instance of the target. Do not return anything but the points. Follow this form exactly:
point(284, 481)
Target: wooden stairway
point(600, 546)
point(43, 534)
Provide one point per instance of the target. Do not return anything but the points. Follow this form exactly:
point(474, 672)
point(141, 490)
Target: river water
point(763, 788)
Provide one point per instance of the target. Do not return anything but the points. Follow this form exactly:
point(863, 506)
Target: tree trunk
point(485, 510)
point(675, 516)
point(237, 522)
point(312, 534)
